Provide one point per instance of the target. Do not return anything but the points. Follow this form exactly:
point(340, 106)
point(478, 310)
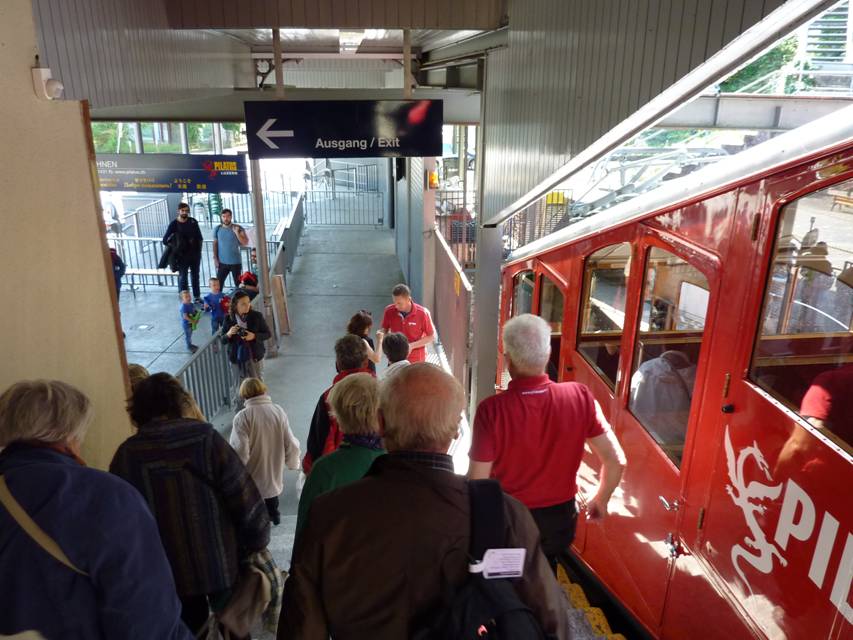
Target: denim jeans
point(216, 324)
point(188, 334)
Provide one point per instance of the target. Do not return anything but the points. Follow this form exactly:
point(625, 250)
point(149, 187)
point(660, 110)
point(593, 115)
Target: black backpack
point(480, 608)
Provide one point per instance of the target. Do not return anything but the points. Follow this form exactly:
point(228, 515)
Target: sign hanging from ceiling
point(344, 128)
point(172, 172)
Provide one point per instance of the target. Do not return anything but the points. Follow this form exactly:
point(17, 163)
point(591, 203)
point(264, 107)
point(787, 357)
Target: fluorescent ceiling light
point(350, 40)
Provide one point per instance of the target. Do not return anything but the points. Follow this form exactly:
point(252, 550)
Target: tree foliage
point(773, 60)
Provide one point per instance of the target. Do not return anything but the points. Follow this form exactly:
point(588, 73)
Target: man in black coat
point(184, 238)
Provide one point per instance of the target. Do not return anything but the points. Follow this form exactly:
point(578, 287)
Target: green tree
point(773, 60)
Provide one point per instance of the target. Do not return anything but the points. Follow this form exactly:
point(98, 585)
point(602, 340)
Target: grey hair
point(421, 407)
point(44, 410)
point(527, 342)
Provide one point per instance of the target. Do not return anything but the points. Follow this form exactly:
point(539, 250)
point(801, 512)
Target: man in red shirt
point(828, 403)
point(531, 438)
point(405, 316)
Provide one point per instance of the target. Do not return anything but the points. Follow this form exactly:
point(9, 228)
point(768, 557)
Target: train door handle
point(672, 546)
point(669, 506)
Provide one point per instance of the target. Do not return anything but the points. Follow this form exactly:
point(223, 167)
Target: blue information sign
point(344, 128)
point(172, 172)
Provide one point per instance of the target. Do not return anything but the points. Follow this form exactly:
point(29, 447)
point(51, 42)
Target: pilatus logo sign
point(214, 168)
point(748, 470)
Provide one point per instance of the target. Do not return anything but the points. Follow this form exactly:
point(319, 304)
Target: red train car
point(712, 320)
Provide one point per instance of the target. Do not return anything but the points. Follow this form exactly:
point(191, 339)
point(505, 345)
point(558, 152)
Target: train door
point(662, 357)
point(550, 306)
point(779, 530)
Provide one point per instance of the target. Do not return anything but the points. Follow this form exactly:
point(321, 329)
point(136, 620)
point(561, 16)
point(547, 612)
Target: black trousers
point(272, 509)
point(557, 525)
point(223, 270)
point(182, 278)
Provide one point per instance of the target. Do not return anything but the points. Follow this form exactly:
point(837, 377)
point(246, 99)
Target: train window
point(522, 293)
point(804, 354)
point(551, 310)
point(605, 291)
point(675, 301)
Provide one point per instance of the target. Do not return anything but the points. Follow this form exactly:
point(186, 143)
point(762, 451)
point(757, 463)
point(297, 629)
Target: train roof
point(823, 134)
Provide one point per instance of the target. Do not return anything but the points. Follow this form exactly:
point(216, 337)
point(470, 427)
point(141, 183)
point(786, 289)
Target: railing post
point(261, 249)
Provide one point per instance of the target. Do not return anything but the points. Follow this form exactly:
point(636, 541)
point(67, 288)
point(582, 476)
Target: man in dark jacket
point(375, 557)
point(184, 238)
point(324, 436)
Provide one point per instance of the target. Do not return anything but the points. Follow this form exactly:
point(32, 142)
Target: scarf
point(368, 441)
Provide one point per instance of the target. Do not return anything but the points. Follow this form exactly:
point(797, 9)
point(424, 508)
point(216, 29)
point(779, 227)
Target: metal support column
point(137, 136)
point(488, 280)
point(407, 64)
point(261, 249)
point(217, 138)
point(279, 63)
point(185, 143)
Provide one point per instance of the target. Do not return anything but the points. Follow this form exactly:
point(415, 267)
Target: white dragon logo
point(749, 498)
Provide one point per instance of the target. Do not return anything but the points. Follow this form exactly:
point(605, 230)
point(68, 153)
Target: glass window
point(804, 355)
point(551, 310)
point(522, 293)
point(675, 302)
point(605, 292)
point(161, 137)
point(200, 137)
point(113, 137)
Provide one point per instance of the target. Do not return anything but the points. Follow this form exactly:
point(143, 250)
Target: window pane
point(606, 288)
point(113, 137)
point(804, 355)
point(200, 137)
point(551, 310)
point(161, 137)
point(522, 293)
point(675, 302)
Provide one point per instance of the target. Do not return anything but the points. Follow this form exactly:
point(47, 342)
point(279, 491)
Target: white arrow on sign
point(265, 134)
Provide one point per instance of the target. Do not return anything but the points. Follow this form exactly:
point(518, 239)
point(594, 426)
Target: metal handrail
point(743, 48)
point(209, 378)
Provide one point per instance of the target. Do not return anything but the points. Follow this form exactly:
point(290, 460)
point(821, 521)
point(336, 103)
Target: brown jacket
point(369, 563)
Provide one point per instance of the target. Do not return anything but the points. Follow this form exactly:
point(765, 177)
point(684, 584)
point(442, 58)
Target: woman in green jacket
point(355, 403)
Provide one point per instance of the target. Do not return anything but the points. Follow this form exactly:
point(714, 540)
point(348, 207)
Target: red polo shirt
point(414, 326)
point(829, 398)
point(534, 435)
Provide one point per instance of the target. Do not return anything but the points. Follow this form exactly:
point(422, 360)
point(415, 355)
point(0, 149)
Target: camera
point(242, 332)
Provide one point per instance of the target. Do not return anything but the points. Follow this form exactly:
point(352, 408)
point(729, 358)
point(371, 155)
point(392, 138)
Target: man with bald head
point(376, 557)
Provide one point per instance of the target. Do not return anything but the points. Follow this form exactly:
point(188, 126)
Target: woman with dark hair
point(245, 331)
point(81, 556)
point(208, 509)
point(359, 325)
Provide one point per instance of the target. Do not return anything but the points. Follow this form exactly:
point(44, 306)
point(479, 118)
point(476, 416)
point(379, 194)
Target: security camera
point(45, 86)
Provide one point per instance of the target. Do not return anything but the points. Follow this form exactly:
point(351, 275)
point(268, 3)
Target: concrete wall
point(123, 52)
point(64, 322)
point(573, 70)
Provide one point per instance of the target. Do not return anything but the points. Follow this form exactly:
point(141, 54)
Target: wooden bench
point(841, 198)
point(133, 274)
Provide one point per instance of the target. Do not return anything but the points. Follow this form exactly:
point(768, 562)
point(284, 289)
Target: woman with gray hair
point(355, 404)
point(80, 553)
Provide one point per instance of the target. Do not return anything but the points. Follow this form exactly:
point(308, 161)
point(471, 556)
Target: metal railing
point(289, 234)
point(338, 175)
point(148, 219)
point(455, 218)
point(344, 208)
point(546, 215)
point(452, 310)
point(142, 256)
point(277, 206)
point(209, 378)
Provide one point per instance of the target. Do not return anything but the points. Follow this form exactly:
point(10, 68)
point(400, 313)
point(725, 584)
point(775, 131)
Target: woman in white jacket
point(262, 438)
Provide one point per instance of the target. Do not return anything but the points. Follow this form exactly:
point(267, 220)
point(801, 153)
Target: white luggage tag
point(501, 563)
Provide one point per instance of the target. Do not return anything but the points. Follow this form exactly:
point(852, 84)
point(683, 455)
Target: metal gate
point(344, 208)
